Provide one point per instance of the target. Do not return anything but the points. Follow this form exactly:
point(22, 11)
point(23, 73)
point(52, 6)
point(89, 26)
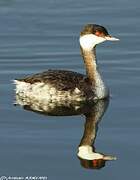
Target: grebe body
point(57, 85)
point(62, 85)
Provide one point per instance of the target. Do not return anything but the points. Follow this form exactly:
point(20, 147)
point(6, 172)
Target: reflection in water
point(93, 113)
point(89, 158)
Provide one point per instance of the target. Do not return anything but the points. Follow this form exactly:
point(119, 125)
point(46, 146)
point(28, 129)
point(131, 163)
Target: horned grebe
point(62, 85)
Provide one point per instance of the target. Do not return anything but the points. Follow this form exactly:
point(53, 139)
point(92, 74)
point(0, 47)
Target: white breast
point(100, 89)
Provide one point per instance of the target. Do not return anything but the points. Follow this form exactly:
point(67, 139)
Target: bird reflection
point(89, 157)
point(93, 112)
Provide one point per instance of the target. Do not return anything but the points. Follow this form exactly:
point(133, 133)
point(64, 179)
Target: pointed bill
point(109, 158)
point(110, 38)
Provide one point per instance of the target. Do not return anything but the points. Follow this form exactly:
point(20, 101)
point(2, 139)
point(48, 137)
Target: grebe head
point(93, 34)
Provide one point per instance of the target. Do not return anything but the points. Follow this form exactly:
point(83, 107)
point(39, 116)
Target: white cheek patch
point(88, 41)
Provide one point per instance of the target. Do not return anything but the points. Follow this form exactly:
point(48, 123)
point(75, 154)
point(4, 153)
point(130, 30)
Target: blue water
point(36, 35)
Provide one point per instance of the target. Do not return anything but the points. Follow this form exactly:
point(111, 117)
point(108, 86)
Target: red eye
point(100, 34)
point(97, 33)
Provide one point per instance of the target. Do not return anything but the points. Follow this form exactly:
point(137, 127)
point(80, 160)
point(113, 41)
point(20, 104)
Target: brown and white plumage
point(57, 85)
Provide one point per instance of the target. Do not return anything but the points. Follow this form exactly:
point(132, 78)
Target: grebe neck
point(89, 57)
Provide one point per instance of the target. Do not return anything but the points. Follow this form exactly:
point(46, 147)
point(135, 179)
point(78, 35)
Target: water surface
point(38, 35)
